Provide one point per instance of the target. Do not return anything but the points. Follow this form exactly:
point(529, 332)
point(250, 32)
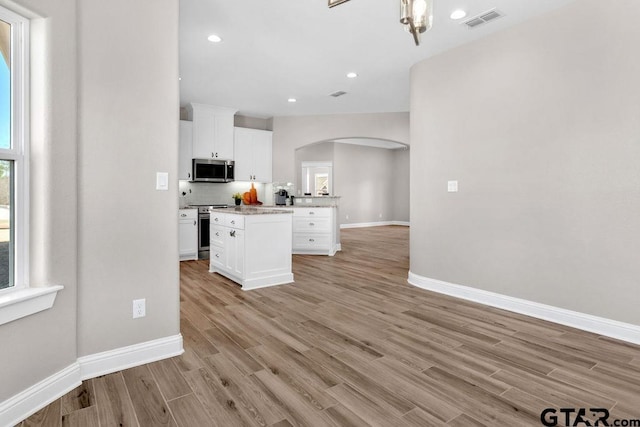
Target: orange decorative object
point(246, 198)
point(254, 194)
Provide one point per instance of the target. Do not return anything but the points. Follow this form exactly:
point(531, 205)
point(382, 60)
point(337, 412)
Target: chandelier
point(416, 15)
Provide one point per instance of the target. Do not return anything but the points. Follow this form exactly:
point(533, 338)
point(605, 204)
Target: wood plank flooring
point(352, 344)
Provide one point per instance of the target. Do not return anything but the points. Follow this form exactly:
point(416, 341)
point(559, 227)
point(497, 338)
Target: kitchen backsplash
point(201, 193)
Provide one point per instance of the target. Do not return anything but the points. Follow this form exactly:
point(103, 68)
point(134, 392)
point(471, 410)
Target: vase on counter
point(238, 201)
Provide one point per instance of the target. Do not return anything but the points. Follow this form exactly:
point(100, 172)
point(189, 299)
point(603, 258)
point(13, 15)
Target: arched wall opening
point(367, 185)
point(370, 175)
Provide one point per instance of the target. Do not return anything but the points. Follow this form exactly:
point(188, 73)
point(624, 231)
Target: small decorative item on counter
point(251, 197)
point(238, 198)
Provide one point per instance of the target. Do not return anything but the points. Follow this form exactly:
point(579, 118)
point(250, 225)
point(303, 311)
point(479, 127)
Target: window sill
point(15, 304)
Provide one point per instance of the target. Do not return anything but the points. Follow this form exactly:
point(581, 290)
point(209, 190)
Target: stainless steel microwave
point(212, 170)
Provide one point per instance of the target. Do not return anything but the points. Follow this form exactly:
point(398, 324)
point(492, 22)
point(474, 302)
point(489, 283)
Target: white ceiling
point(276, 49)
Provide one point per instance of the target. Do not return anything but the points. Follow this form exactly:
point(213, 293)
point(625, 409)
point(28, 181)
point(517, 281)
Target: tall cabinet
point(252, 154)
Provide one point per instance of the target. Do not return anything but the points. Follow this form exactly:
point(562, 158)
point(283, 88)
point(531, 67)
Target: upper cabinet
point(185, 153)
point(212, 131)
point(253, 154)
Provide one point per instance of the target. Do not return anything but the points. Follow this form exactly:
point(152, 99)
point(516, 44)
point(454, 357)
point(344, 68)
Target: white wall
point(540, 124)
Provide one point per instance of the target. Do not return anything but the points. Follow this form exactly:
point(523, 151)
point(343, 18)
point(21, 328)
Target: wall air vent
point(338, 93)
point(483, 18)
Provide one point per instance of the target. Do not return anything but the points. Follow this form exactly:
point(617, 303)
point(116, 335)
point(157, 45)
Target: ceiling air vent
point(483, 18)
point(338, 93)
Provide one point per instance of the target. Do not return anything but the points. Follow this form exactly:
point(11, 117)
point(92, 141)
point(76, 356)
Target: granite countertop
point(300, 206)
point(251, 210)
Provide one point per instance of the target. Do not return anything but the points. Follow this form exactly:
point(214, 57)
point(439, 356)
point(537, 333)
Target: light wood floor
point(351, 343)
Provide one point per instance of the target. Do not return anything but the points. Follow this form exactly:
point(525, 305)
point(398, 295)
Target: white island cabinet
point(251, 246)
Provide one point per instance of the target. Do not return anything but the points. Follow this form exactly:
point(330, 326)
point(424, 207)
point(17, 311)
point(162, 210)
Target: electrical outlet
point(346, 216)
point(139, 308)
point(379, 215)
point(452, 186)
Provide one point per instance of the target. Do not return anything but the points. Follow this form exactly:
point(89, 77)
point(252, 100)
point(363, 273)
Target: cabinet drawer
point(235, 221)
point(216, 257)
point(311, 241)
point(217, 235)
point(321, 225)
point(217, 218)
point(312, 212)
point(188, 214)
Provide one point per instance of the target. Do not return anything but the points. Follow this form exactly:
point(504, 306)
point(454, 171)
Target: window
point(316, 177)
point(17, 298)
point(13, 150)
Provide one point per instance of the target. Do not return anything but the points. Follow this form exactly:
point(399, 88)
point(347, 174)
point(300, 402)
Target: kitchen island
point(251, 245)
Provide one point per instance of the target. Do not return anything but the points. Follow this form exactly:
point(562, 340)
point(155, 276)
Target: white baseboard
point(127, 357)
point(24, 404)
point(586, 322)
point(374, 224)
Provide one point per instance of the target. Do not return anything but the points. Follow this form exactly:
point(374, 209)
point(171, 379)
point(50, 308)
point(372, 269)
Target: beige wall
point(128, 124)
point(367, 181)
point(541, 126)
point(104, 109)
point(401, 197)
point(293, 132)
point(251, 122)
point(321, 152)
point(37, 346)
point(373, 182)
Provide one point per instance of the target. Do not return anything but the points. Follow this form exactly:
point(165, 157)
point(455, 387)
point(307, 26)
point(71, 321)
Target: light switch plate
point(452, 186)
point(162, 180)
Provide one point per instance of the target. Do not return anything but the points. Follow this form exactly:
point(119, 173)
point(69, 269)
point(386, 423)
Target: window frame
point(19, 151)
point(21, 299)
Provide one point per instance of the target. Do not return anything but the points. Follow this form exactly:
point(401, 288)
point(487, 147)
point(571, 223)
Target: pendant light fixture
point(417, 15)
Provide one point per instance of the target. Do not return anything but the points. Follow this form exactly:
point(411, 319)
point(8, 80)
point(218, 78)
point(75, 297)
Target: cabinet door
point(185, 153)
point(234, 252)
point(243, 154)
point(223, 139)
point(253, 153)
point(212, 132)
point(188, 232)
point(204, 130)
point(262, 149)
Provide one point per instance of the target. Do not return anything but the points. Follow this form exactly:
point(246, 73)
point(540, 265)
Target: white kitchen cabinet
point(188, 234)
point(252, 250)
point(314, 231)
point(253, 154)
point(185, 150)
point(212, 131)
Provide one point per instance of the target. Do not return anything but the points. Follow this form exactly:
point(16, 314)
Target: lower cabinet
point(314, 231)
point(188, 234)
point(252, 250)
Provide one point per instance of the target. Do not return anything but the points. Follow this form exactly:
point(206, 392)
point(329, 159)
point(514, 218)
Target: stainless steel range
point(203, 228)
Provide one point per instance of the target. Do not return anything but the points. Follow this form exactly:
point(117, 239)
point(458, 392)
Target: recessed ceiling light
point(214, 38)
point(352, 75)
point(458, 14)
point(292, 100)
